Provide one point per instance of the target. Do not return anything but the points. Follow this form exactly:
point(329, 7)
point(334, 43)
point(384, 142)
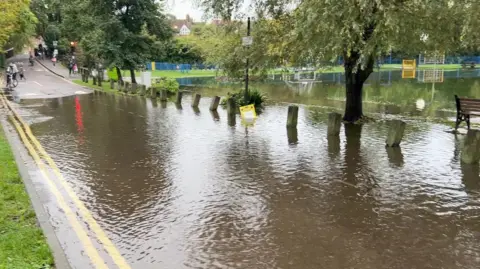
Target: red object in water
point(78, 118)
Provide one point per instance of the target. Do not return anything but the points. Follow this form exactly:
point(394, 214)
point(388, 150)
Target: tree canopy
point(358, 31)
point(16, 23)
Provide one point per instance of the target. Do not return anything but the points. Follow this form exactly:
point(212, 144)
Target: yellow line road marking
point(82, 235)
point(100, 234)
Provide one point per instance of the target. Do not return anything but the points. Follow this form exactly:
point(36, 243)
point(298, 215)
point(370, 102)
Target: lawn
point(22, 244)
point(331, 69)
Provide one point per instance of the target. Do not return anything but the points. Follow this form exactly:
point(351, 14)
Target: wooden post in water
point(112, 84)
point(143, 90)
point(231, 111)
point(292, 117)
point(395, 133)
point(292, 135)
point(82, 72)
point(133, 88)
point(334, 124)
point(153, 92)
point(471, 151)
point(196, 100)
point(163, 95)
point(179, 97)
point(231, 106)
point(119, 85)
point(215, 103)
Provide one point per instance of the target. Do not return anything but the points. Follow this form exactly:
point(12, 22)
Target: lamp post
point(72, 47)
point(248, 43)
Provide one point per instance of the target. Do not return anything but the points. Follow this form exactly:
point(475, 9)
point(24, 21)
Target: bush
point(112, 74)
point(256, 98)
point(169, 84)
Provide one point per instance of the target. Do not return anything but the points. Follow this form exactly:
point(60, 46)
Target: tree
point(361, 30)
point(24, 29)
point(9, 19)
point(130, 31)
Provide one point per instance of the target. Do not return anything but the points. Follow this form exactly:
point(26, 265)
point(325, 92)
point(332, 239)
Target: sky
point(180, 8)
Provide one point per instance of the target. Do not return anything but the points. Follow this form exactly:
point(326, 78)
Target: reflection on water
point(177, 189)
point(385, 92)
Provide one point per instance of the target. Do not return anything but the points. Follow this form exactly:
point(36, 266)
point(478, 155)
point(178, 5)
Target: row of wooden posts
point(394, 136)
point(153, 92)
point(470, 152)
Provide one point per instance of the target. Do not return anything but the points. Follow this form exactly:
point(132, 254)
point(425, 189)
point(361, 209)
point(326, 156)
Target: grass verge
point(22, 244)
point(105, 85)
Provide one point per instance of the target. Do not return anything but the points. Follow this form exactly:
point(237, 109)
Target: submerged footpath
point(22, 243)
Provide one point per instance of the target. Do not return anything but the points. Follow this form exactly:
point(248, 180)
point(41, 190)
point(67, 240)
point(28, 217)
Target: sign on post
point(248, 112)
point(146, 79)
point(55, 43)
point(247, 40)
point(248, 115)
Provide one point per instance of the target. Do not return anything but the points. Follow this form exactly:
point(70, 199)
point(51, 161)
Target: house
point(184, 30)
point(183, 27)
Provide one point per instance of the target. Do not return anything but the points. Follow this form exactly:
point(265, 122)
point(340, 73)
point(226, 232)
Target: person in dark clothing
point(71, 64)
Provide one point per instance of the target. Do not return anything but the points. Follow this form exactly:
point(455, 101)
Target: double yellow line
point(37, 151)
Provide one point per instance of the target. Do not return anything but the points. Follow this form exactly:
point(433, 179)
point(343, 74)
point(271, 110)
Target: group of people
point(72, 64)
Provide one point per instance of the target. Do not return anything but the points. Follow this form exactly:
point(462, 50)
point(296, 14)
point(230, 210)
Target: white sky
point(180, 8)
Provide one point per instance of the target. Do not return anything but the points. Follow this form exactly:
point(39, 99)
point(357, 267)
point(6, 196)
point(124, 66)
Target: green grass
point(332, 69)
point(387, 67)
point(105, 85)
point(22, 244)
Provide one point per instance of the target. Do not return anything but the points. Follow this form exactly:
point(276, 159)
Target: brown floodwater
point(179, 188)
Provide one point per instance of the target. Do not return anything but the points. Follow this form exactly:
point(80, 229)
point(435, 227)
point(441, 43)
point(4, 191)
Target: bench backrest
point(467, 104)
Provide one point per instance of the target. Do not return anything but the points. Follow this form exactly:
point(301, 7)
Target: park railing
point(174, 66)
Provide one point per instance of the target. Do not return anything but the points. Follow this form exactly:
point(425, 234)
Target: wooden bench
point(466, 107)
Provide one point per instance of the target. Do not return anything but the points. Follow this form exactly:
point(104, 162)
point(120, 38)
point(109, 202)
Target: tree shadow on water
point(353, 161)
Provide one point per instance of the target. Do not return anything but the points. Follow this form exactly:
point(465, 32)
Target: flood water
point(179, 188)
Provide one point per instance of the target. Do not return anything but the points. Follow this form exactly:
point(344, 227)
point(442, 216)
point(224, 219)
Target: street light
point(72, 46)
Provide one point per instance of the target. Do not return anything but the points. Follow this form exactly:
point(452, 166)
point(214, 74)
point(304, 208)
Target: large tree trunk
point(132, 74)
point(119, 74)
point(354, 84)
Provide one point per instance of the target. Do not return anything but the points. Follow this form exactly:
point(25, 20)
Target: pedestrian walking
point(75, 69)
point(71, 64)
point(20, 71)
point(54, 60)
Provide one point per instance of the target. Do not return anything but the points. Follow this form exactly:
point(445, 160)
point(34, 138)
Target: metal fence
point(172, 66)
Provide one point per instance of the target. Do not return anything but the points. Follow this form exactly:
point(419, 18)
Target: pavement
point(58, 69)
point(41, 83)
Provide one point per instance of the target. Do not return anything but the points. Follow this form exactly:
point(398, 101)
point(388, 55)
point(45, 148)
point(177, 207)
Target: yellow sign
point(248, 112)
point(409, 73)
point(409, 64)
point(248, 115)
